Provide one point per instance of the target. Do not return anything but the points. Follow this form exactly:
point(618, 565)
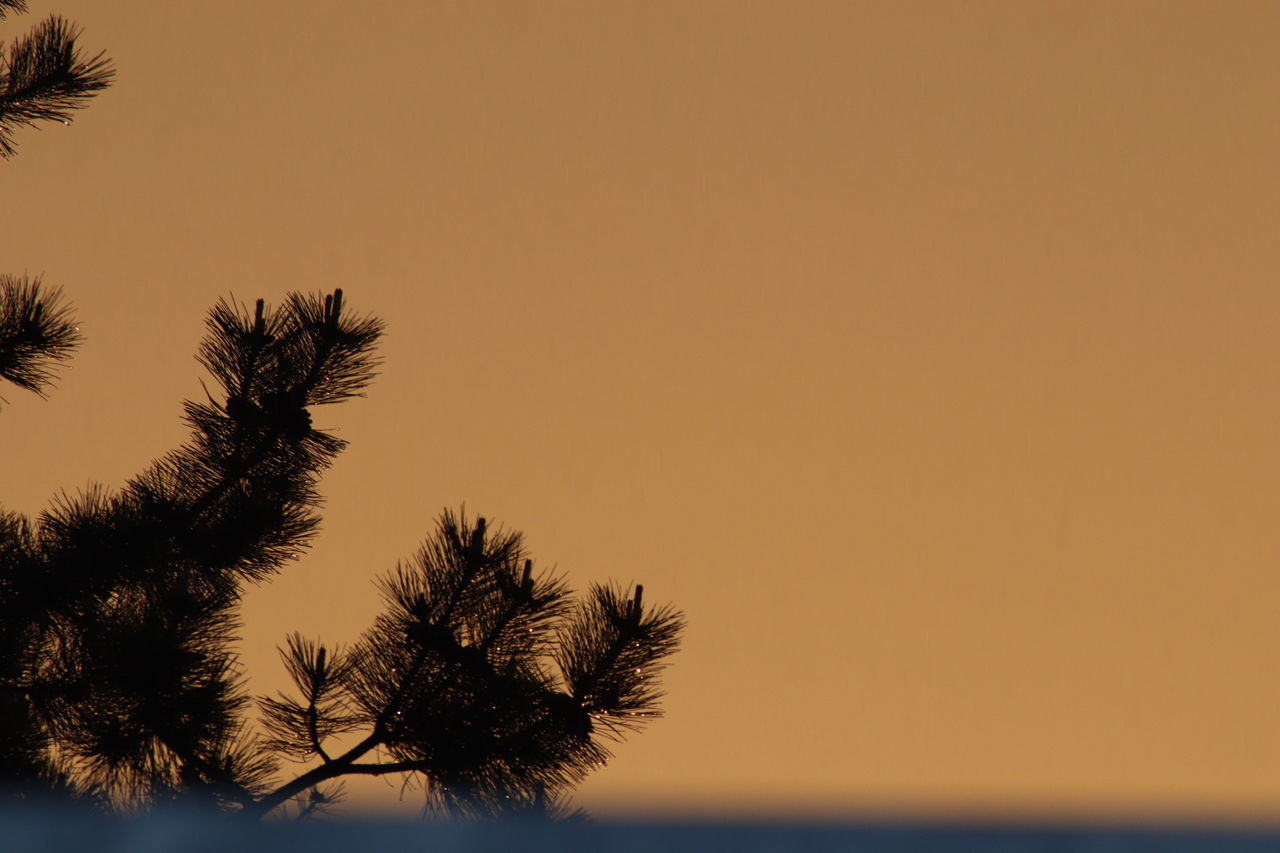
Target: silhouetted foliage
point(44, 76)
point(36, 329)
point(483, 678)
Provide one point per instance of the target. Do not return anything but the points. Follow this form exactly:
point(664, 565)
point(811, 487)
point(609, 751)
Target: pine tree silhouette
point(44, 76)
point(484, 678)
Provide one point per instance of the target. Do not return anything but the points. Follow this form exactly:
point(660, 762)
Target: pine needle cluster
point(44, 76)
point(36, 331)
point(483, 678)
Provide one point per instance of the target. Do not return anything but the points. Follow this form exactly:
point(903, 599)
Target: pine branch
point(246, 484)
point(434, 650)
point(152, 573)
point(339, 766)
point(131, 694)
point(45, 77)
point(611, 653)
point(299, 728)
point(453, 674)
point(36, 329)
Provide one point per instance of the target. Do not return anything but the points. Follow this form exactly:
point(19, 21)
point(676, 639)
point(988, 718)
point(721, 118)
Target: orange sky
point(924, 353)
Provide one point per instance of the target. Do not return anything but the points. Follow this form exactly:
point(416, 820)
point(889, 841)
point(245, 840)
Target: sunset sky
point(926, 354)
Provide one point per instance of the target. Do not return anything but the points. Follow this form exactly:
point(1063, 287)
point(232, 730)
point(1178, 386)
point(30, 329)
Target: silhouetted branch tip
point(36, 331)
point(46, 77)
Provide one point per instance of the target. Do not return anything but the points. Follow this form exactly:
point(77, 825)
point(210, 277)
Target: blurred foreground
point(51, 831)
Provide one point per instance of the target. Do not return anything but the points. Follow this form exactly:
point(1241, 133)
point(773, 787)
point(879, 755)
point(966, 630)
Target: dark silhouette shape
point(483, 678)
point(44, 76)
point(36, 330)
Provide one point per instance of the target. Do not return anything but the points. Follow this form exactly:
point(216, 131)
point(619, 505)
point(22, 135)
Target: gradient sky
point(924, 353)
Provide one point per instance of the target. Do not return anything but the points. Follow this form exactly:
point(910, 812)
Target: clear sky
point(924, 353)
